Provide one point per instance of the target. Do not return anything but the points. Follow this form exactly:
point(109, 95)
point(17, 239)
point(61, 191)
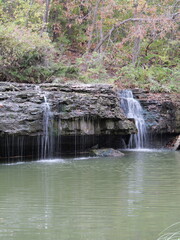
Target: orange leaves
point(56, 28)
point(119, 20)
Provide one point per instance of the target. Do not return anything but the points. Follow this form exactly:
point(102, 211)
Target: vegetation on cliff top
point(132, 43)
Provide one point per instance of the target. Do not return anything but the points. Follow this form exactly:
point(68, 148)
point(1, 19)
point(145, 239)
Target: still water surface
point(132, 198)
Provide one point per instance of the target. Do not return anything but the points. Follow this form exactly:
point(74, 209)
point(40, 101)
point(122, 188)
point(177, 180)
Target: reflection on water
point(132, 198)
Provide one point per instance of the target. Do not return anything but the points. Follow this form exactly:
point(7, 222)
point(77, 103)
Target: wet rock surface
point(76, 109)
point(106, 152)
point(80, 117)
point(161, 111)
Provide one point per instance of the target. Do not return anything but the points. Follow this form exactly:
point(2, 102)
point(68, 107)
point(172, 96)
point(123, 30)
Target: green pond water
point(132, 198)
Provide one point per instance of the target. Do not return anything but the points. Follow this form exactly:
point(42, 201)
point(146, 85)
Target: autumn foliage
point(135, 41)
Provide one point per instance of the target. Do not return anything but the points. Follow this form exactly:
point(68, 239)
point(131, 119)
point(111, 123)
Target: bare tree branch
point(176, 5)
point(175, 15)
point(172, 17)
point(93, 23)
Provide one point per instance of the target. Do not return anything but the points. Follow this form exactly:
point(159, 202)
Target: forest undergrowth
point(132, 44)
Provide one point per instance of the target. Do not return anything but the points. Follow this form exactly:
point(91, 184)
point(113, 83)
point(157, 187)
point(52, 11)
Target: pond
point(132, 198)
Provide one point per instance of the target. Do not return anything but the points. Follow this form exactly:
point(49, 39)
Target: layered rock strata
point(161, 111)
point(76, 109)
point(80, 115)
point(162, 116)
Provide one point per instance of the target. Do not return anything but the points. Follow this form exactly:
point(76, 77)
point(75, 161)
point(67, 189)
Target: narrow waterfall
point(47, 137)
point(133, 109)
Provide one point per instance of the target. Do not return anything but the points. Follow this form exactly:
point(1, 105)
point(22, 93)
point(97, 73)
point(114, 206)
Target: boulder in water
point(107, 152)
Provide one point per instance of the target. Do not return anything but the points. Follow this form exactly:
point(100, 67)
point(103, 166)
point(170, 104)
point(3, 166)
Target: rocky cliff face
point(162, 116)
point(161, 111)
point(76, 109)
point(79, 115)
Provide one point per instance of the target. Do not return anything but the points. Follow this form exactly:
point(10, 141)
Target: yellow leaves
point(24, 13)
point(16, 42)
point(109, 21)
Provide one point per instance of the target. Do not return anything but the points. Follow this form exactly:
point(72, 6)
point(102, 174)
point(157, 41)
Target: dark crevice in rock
point(29, 147)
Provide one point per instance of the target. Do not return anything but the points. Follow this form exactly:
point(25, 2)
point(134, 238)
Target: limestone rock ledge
point(76, 109)
point(161, 111)
point(79, 117)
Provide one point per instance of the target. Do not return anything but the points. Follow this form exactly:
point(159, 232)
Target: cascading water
point(47, 137)
point(133, 109)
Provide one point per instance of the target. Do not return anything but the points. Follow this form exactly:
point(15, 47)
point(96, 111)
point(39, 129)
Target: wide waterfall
point(133, 109)
point(47, 137)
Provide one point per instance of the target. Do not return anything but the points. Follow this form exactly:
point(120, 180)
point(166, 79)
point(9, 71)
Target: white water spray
point(47, 137)
point(133, 109)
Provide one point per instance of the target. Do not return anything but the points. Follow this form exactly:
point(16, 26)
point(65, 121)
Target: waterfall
point(133, 109)
point(47, 137)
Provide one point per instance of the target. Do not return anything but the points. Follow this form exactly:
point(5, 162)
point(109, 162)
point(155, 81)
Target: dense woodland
point(132, 43)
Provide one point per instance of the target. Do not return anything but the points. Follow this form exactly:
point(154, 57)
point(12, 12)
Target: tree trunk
point(93, 24)
point(46, 16)
point(28, 14)
point(137, 40)
point(101, 36)
point(136, 50)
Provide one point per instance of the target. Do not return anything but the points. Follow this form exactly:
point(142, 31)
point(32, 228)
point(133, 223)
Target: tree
point(139, 35)
point(166, 22)
point(27, 13)
point(46, 16)
point(23, 54)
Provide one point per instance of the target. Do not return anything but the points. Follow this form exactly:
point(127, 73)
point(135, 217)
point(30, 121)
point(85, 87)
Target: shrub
point(92, 68)
point(155, 78)
point(23, 54)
